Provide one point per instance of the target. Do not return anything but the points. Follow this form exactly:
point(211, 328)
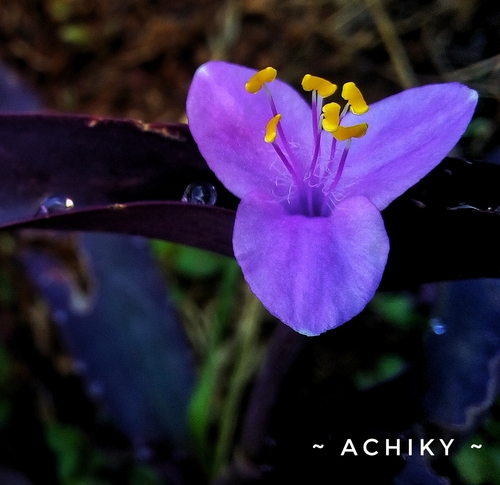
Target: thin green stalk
point(246, 363)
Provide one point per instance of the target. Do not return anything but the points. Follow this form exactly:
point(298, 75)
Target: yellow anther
point(314, 83)
point(348, 132)
point(255, 83)
point(271, 129)
point(353, 96)
point(331, 117)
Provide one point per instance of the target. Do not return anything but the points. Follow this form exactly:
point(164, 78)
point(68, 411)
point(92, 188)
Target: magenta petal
point(228, 124)
point(314, 274)
point(408, 135)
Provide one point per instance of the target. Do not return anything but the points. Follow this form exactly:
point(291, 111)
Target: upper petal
point(408, 135)
point(313, 273)
point(228, 124)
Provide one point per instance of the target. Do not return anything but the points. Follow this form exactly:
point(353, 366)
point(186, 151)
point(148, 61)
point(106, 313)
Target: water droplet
point(54, 204)
point(200, 193)
point(437, 325)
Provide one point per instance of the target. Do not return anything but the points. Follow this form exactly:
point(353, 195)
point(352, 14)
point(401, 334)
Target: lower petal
point(313, 273)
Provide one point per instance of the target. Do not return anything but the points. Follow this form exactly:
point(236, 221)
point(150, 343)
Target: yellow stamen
point(347, 132)
point(325, 88)
point(255, 83)
point(353, 96)
point(271, 129)
point(331, 117)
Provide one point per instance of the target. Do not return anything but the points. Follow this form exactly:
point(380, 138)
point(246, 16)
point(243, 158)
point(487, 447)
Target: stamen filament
point(316, 116)
point(314, 112)
point(317, 143)
point(281, 133)
point(345, 110)
point(327, 190)
point(287, 164)
point(271, 100)
point(332, 155)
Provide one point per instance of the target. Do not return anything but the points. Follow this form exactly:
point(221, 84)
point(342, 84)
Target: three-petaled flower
point(308, 233)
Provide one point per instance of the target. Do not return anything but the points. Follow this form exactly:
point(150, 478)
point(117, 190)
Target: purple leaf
point(418, 472)
point(100, 164)
point(201, 226)
point(463, 353)
point(92, 161)
point(146, 173)
point(124, 333)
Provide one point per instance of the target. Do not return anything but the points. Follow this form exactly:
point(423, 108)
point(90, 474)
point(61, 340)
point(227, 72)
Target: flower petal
point(229, 124)
point(408, 135)
point(313, 273)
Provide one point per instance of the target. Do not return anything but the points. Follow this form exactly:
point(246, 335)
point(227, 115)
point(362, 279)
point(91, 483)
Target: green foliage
point(77, 461)
point(481, 466)
point(229, 353)
point(478, 467)
point(188, 261)
point(387, 366)
point(396, 308)
point(202, 402)
point(143, 475)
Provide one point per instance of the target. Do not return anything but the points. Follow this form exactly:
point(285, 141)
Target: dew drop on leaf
point(200, 193)
point(437, 325)
point(54, 204)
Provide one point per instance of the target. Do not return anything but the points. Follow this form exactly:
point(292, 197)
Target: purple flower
point(308, 234)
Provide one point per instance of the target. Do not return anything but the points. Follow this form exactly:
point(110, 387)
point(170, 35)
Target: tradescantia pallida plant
point(328, 194)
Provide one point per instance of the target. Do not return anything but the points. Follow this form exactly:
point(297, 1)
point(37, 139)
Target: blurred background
point(90, 396)
point(136, 58)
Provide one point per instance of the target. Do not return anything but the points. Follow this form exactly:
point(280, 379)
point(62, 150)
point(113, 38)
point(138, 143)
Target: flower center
point(312, 188)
